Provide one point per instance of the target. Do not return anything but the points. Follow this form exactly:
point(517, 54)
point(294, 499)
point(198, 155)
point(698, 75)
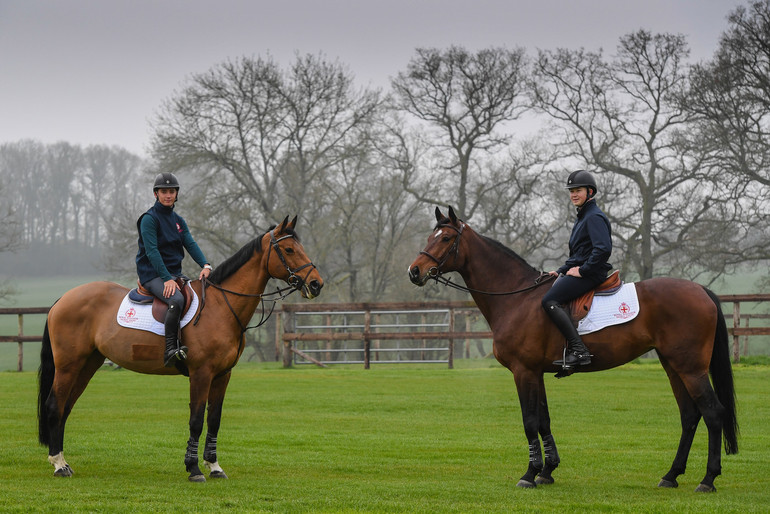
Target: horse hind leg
point(713, 413)
point(65, 392)
point(689, 417)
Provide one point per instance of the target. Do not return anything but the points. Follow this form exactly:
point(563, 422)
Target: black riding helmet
point(582, 178)
point(165, 180)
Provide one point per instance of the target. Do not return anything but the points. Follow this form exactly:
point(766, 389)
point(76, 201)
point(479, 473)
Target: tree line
point(680, 151)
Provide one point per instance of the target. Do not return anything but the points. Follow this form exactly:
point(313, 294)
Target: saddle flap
point(579, 307)
point(159, 308)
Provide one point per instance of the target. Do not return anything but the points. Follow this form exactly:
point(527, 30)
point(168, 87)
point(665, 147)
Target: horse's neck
point(490, 269)
point(250, 281)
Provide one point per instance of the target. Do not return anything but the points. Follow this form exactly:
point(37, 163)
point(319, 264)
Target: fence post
point(450, 358)
point(736, 324)
point(287, 344)
point(20, 365)
point(278, 338)
point(367, 341)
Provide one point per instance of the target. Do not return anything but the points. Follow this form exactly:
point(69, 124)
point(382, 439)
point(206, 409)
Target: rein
point(295, 283)
point(454, 250)
point(544, 278)
point(263, 296)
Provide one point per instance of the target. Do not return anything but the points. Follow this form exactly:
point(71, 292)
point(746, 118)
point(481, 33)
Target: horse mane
point(507, 251)
point(242, 256)
point(497, 244)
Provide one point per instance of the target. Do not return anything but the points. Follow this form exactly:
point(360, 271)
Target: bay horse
point(82, 329)
point(681, 320)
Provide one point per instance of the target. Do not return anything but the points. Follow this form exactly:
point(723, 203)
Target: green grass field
point(390, 439)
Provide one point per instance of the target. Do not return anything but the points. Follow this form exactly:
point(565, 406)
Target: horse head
point(292, 265)
point(441, 252)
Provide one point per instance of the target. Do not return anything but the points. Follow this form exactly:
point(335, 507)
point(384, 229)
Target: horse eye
point(289, 250)
point(445, 239)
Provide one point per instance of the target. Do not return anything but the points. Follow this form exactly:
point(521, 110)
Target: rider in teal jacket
point(163, 238)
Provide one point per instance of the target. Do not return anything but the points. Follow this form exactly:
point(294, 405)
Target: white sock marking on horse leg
point(57, 460)
point(213, 466)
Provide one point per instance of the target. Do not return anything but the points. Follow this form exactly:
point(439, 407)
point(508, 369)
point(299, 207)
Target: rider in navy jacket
point(590, 244)
point(590, 247)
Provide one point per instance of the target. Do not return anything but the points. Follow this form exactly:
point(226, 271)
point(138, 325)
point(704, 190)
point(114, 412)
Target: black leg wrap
point(551, 461)
point(210, 450)
point(191, 462)
point(535, 465)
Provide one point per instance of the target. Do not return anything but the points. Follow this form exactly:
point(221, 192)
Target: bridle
point(293, 280)
point(295, 284)
point(454, 250)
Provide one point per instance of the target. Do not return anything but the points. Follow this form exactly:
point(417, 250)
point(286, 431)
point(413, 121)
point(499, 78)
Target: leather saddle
point(159, 308)
point(579, 307)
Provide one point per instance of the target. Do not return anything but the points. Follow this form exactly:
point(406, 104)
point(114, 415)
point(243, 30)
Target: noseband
point(293, 280)
point(453, 250)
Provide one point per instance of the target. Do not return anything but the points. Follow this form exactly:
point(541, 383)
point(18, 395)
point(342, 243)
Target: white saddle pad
point(136, 315)
point(606, 311)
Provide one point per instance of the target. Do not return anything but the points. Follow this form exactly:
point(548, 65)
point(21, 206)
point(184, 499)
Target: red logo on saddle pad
point(624, 311)
point(129, 316)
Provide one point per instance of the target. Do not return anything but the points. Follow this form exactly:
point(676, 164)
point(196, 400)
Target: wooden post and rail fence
point(389, 332)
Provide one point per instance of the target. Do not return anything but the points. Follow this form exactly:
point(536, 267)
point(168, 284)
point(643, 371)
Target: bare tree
point(459, 103)
point(730, 98)
point(10, 238)
point(258, 139)
point(624, 117)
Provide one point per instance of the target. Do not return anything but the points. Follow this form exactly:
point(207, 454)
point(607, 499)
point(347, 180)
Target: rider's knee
point(550, 304)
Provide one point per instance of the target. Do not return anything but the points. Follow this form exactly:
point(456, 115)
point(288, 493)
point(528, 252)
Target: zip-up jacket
point(163, 238)
point(590, 244)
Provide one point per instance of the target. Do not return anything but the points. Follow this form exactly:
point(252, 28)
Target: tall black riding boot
point(576, 354)
point(173, 350)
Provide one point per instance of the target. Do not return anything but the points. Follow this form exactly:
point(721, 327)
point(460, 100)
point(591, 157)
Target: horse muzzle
point(311, 289)
point(415, 276)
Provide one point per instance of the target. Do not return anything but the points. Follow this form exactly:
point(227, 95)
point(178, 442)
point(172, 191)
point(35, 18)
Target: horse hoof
point(66, 471)
point(217, 474)
point(668, 483)
point(544, 480)
point(704, 488)
point(196, 478)
point(526, 484)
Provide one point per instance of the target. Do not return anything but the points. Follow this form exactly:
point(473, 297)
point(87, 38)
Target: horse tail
point(722, 378)
point(45, 376)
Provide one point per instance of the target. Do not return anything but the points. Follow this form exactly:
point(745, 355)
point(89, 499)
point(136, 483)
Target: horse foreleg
point(529, 399)
point(216, 399)
point(200, 383)
point(549, 445)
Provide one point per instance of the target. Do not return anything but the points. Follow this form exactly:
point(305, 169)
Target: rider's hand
point(574, 272)
point(169, 288)
point(205, 272)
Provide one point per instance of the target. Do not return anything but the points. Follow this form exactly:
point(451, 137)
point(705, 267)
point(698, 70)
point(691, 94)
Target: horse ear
point(439, 216)
point(452, 215)
point(293, 222)
point(283, 225)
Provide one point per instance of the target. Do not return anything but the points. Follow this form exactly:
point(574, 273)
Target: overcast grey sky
point(96, 71)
